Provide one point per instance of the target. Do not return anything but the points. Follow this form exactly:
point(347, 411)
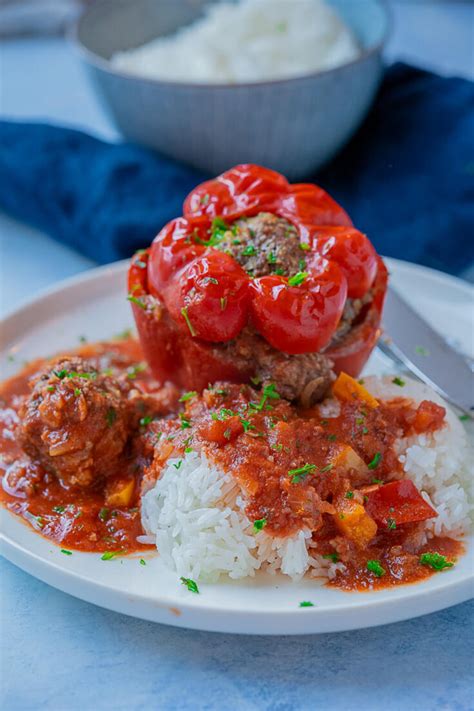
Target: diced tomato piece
point(429, 417)
point(399, 502)
point(222, 431)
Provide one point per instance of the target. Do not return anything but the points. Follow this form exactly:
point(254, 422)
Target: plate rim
point(321, 618)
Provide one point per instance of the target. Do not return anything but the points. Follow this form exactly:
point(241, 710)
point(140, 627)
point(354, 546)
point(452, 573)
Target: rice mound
point(195, 513)
point(246, 41)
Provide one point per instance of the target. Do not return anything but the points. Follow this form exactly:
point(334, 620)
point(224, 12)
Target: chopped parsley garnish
point(391, 524)
point(246, 424)
point(145, 421)
point(375, 461)
point(178, 464)
point(51, 388)
point(373, 566)
point(63, 550)
point(227, 433)
point(82, 339)
point(59, 509)
point(331, 556)
point(279, 271)
point(184, 314)
point(301, 473)
point(223, 414)
point(61, 374)
point(435, 561)
point(185, 421)
point(332, 437)
point(108, 555)
point(277, 447)
point(104, 514)
point(349, 494)
point(269, 392)
point(377, 481)
point(272, 258)
point(365, 430)
point(398, 381)
point(421, 350)
point(187, 450)
point(223, 302)
point(306, 603)
point(327, 468)
point(259, 524)
point(255, 380)
point(204, 200)
point(297, 279)
point(190, 584)
point(133, 370)
point(111, 416)
point(142, 561)
point(77, 392)
point(218, 391)
point(188, 396)
point(136, 300)
point(218, 229)
point(464, 418)
point(305, 246)
point(249, 251)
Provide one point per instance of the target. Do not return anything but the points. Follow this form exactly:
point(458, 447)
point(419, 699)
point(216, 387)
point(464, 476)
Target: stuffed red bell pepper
point(258, 279)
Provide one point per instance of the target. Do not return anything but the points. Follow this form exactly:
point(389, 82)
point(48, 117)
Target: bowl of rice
point(283, 84)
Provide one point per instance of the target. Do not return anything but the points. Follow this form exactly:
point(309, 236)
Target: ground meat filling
point(265, 244)
point(305, 378)
point(352, 310)
point(76, 422)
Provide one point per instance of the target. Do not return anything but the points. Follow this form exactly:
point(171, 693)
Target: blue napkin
point(406, 178)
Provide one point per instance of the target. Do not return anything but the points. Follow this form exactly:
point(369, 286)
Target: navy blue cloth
point(406, 178)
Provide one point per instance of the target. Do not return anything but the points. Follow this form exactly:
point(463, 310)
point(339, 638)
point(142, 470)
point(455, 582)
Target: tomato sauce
point(74, 519)
point(293, 468)
point(297, 469)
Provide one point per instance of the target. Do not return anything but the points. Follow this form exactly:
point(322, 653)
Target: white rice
point(247, 41)
point(196, 514)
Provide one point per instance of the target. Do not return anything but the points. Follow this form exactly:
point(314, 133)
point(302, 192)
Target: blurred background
point(45, 77)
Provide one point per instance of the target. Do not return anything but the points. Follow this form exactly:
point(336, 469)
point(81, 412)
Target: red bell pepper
point(397, 503)
point(203, 296)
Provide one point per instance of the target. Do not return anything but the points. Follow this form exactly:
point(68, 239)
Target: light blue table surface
point(61, 654)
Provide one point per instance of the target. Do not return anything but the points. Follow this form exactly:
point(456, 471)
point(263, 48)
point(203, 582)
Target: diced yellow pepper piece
point(347, 458)
point(354, 522)
point(121, 494)
point(347, 388)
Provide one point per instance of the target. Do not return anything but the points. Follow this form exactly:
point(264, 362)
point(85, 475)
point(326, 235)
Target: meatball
point(76, 422)
point(305, 378)
point(265, 244)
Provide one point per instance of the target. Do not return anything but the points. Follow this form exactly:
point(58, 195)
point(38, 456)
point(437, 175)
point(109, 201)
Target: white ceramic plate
point(94, 305)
